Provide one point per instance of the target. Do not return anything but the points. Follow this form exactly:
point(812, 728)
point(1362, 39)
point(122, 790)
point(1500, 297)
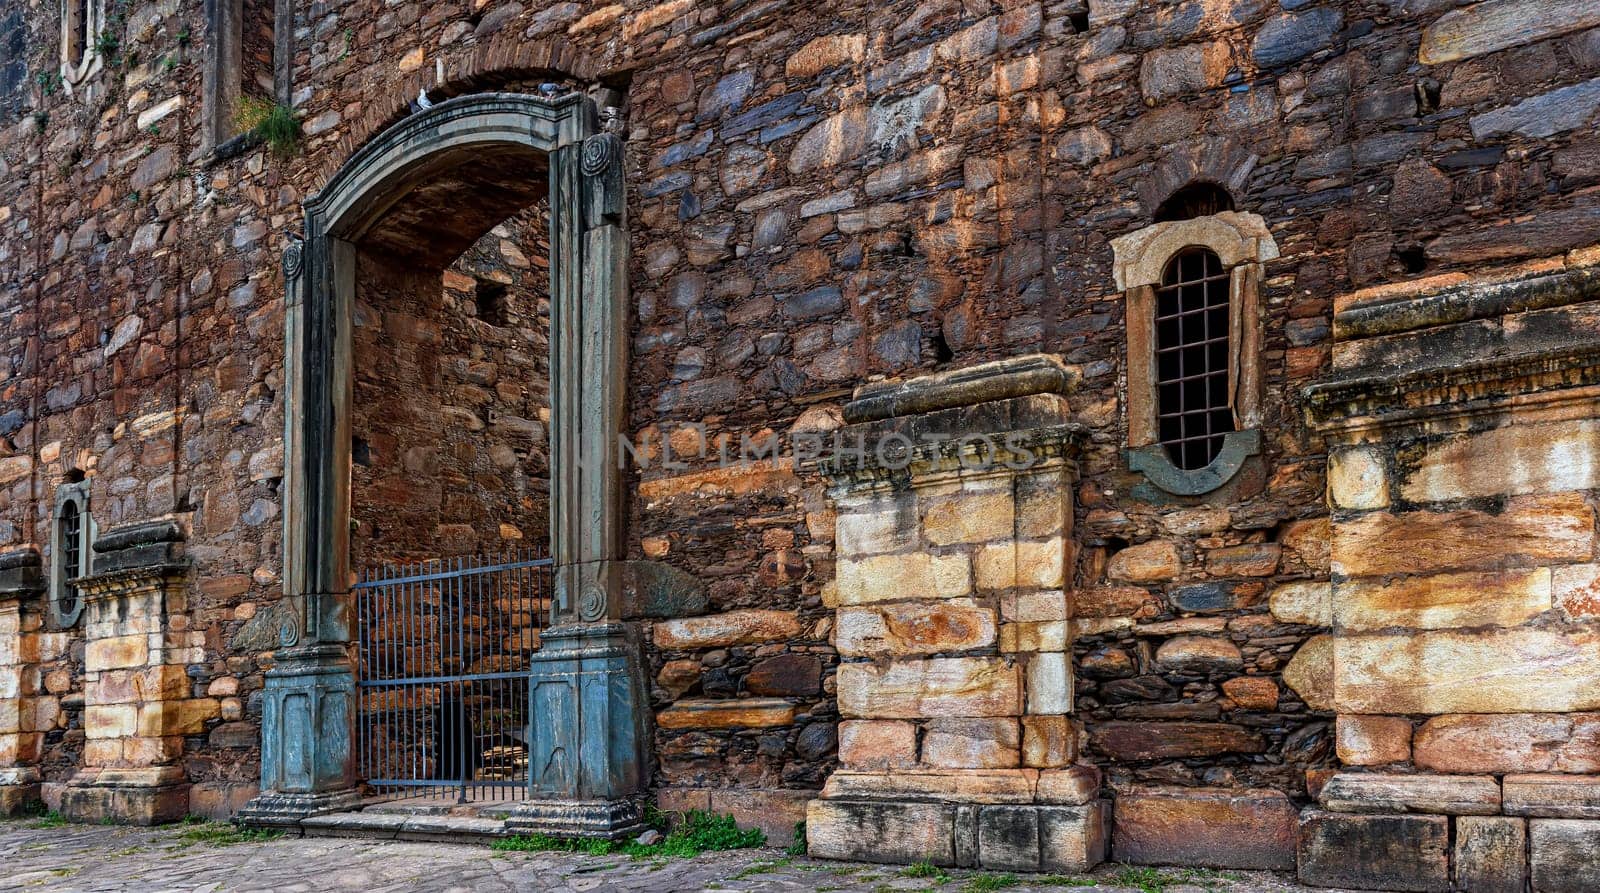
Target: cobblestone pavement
point(36, 856)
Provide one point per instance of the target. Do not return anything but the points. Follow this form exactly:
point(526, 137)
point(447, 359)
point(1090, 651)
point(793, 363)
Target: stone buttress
point(954, 523)
point(21, 738)
point(1464, 658)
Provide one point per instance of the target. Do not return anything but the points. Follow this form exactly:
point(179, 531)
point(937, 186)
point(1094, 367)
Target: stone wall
point(819, 195)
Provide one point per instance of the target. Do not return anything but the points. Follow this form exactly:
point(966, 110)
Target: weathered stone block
point(969, 517)
point(1561, 855)
point(957, 686)
point(877, 743)
point(1074, 838)
point(1375, 852)
point(1308, 603)
point(117, 652)
point(1516, 459)
point(1358, 479)
point(1530, 530)
point(1074, 786)
point(971, 743)
point(944, 785)
point(1051, 635)
point(1487, 27)
point(1048, 742)
point(786, 676)
point(1199, 655)
point(1373, 740)
point(1444, 601)
point(881, 832)
point(1434, 794)
point(909, 628)
point(1553, 796)
point(888, 528)
point(1491, 854)
point(1252, 692)
point(918, 575)
point(1169, 740)
point(1499, 744)
point(1157, 561)
point(1446, 671)
point(1008, 838)
point(747, 713)
point(1050, 682)
point(1253, 829)
point(722, 630)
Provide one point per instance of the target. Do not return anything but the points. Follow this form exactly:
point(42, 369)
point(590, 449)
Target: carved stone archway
point(436, 181)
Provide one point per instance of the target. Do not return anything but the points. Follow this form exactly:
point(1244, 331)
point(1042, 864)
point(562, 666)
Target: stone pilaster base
point(997, 836)
point(278, 809)
point(1006, 820)
point(19, 789)
point(608, 819)
point(126, 796)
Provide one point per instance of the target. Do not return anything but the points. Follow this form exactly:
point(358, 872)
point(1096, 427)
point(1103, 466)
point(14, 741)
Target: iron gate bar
point(423, 726)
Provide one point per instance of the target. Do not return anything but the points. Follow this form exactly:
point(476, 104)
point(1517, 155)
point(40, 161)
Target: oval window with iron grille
point(1193, 415)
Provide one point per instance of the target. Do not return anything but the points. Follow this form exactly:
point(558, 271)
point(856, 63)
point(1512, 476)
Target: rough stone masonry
point(1278, 315)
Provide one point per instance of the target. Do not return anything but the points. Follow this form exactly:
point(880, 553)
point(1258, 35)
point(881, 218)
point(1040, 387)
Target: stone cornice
point(986, 382)
point(131, 579)
point(895, 466)
point(1447, 299)
point(1453, 389)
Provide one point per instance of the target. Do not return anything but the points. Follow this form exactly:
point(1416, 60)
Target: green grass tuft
point(222, 833)
point(697, 833)
point(275, 124)
point(798, 848)
point(51, 819)
point(925, 869)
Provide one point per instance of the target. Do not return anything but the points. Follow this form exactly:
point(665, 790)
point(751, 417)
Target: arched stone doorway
point(429, 187)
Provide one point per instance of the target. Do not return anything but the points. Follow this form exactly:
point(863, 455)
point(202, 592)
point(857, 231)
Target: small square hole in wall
point(493, 302)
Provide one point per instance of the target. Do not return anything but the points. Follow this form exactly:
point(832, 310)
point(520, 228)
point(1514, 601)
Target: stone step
point(395, 826)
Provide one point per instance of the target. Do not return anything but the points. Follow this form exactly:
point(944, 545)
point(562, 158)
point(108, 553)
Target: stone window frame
point(75, 494)
point(83, 19)
point(1242, 242)
point(222, 79)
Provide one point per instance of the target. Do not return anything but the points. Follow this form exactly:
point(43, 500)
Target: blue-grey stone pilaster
point(587, 761)
point(308, 709)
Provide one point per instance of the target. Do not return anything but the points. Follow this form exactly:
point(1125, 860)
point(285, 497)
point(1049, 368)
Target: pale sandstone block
point(969, 518)
point(1498, 744)
point(1517, 459)
point(876, 532)
point(103, 751)
point(722, 630)
point(995, 567)
point(914, 689)
point(1051, 635)
point(1050, 683)
point(1357, 478)
point(1576, 590)
point(1071, 786)
point(972, 744)
point(1044, 512)
point(881, 832)
point(1430, 794)
point(918, 575)
point(1373, 740)
point(1531, 530)
point(877, 743)
point(1445, 671)
point(1444, 601)
point(1553, 796)
point(1310, 672)
point(1308, 603)
point(1034, 607)
point(1048, 742)
point(117, 652)
point(910, 628)
point(110, 721)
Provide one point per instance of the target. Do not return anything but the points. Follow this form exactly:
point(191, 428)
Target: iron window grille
point(73, 531)
point(1193, 411)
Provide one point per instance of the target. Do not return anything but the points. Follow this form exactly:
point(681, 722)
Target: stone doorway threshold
point(438, 817)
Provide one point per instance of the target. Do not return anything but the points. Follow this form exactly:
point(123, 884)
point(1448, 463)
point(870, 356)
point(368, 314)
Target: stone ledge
point(1553, 796)
point(1064, 787)
point(984, 383)
point(1454, 298)
point(1429, 794)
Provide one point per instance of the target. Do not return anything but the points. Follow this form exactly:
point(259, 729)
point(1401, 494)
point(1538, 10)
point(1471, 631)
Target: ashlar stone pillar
point(137, 704)
point(954, 535)
point(21, 740)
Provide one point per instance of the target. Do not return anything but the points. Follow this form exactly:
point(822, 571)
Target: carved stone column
point(20, 738)
point(587, 760)
point(137, 704)
point(954, 537)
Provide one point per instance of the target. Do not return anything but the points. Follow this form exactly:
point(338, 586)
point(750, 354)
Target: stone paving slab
point(71, 858)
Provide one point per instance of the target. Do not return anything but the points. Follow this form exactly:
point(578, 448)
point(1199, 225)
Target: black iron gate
point(444, 660)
